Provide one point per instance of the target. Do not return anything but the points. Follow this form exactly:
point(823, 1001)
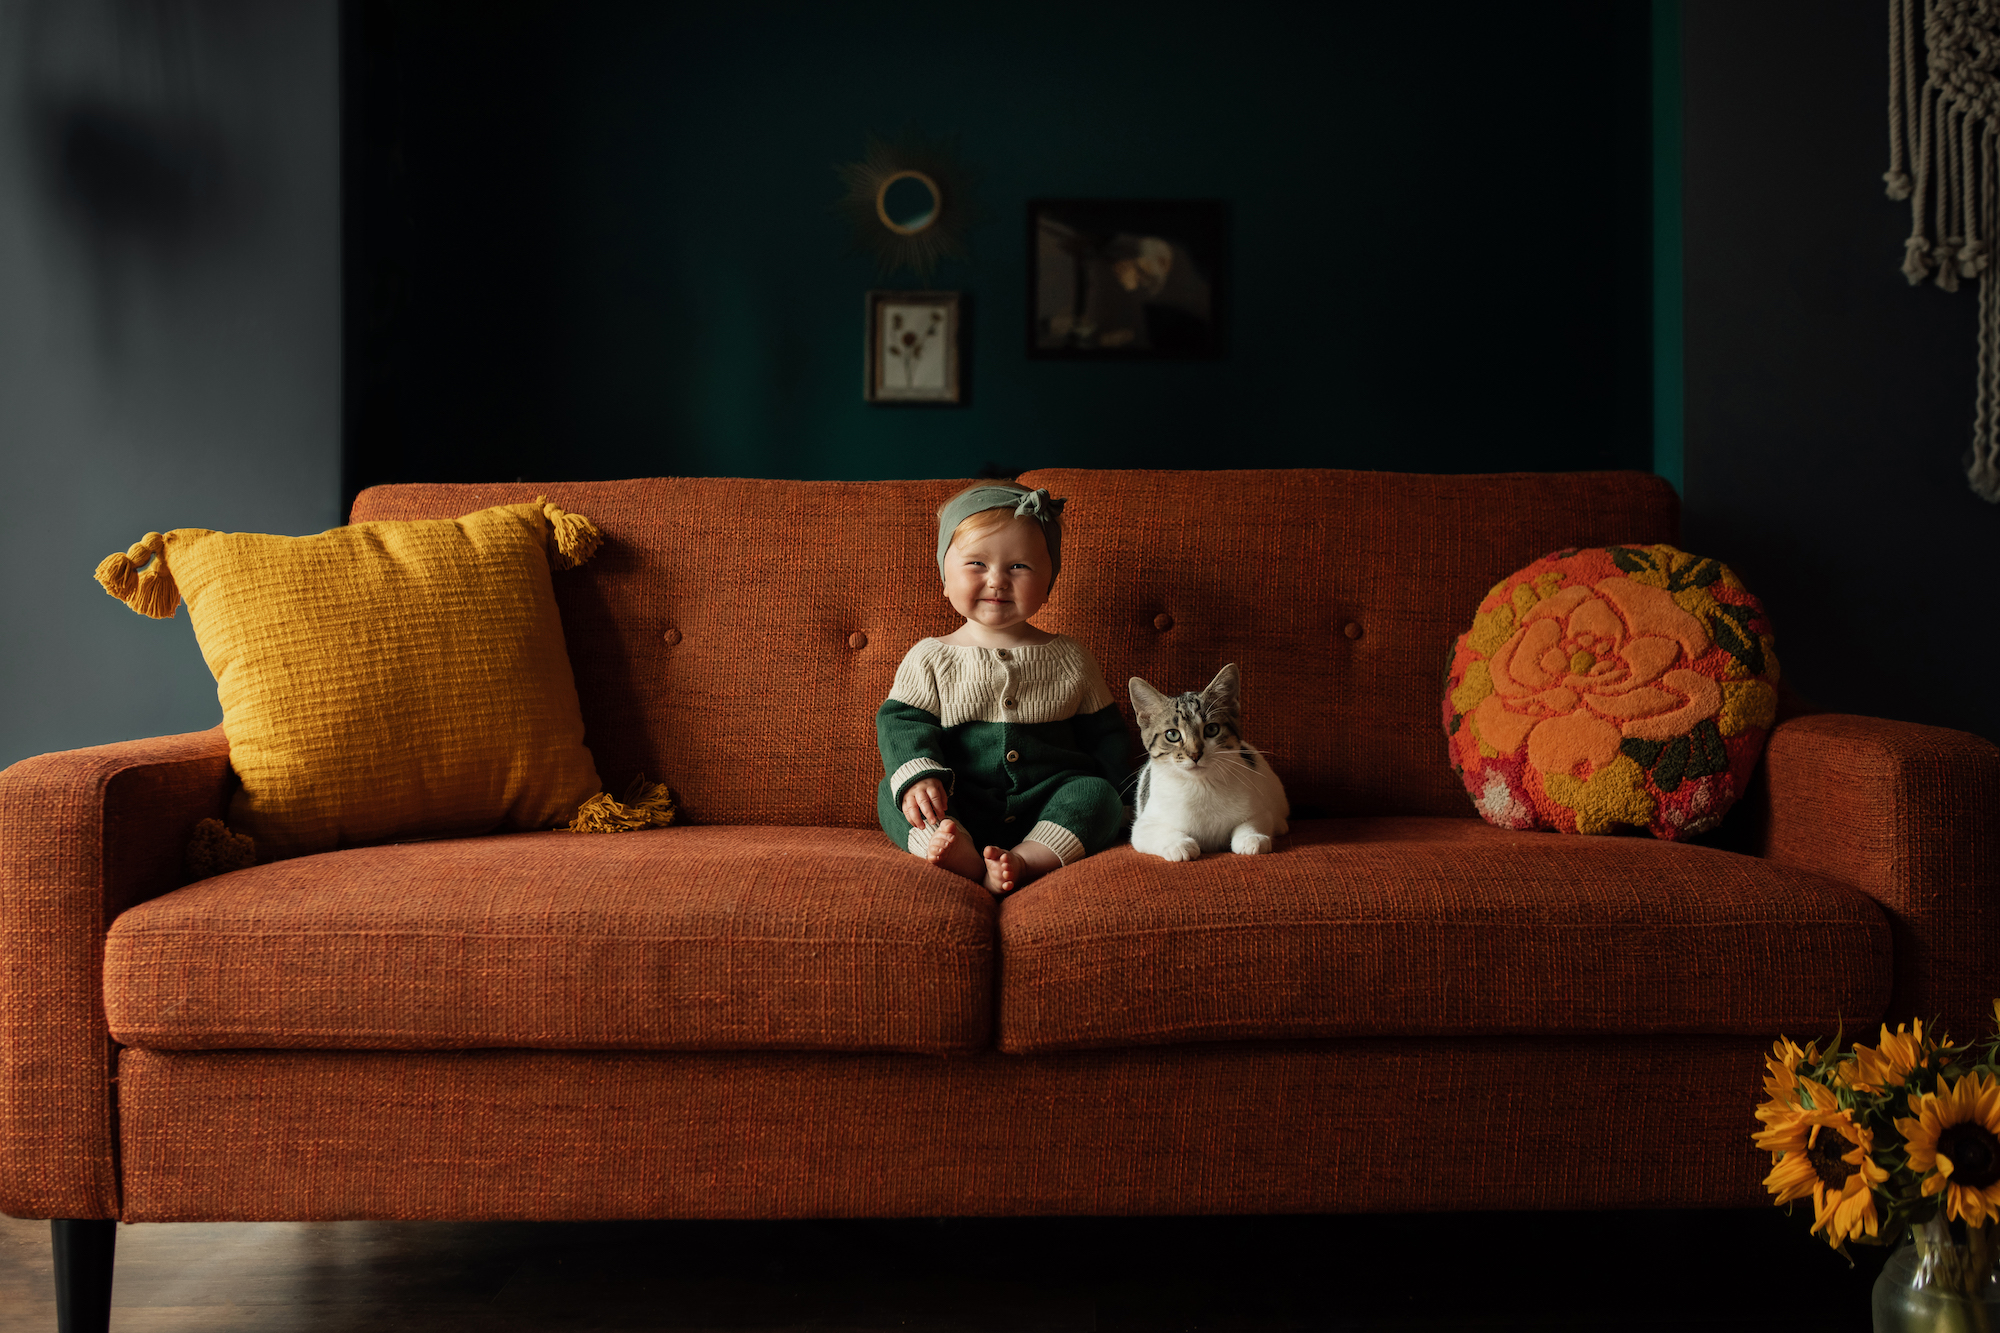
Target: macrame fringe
point(149, 591)
point(646, 805)
point(1943, 159)
point(213, 850)
point(576, 538)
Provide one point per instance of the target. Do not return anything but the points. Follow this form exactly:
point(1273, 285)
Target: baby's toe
point(999, 870)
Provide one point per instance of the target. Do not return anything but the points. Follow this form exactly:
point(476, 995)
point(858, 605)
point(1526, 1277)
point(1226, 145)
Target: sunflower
point(1782, 1083)
point(1900, 1054)
point(1826, 1155)
point(1788, 1109)
point(1954, 1144)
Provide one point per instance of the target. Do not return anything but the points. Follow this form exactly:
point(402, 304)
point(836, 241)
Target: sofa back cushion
point(734, 637)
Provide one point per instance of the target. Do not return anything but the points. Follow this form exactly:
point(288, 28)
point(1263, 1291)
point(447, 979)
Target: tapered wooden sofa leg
point(84, 1250)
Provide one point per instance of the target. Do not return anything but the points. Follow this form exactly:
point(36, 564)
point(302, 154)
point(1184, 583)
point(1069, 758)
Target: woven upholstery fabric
point(1434, 927)
point(1341, 1126)
point(388, 679)
point(1910, 815)
point(689, 938)
point(678, 628)
point(1337, 593)
point(83, 835)
point(1609, 688)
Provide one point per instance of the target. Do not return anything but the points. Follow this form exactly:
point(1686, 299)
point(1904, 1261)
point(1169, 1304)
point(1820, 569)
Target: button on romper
point(1027, 740)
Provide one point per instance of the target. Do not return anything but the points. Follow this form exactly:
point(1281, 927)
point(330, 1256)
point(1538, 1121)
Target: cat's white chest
point(1235, 805)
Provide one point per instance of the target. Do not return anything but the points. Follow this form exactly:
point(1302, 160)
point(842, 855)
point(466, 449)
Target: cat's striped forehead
point(1188, 714)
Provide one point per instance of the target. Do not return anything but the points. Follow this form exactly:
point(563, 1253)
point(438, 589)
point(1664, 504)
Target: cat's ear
point(1222, 690)
point(1146, 701)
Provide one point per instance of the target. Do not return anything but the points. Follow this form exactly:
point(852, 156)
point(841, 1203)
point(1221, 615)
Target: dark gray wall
point(1828, 402)
point(169, 329)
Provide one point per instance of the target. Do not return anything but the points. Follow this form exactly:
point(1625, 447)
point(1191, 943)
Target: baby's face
point(999, 578)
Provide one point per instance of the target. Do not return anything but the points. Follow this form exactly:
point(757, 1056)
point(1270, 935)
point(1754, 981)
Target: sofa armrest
point(1910, 815)
point(84, 834)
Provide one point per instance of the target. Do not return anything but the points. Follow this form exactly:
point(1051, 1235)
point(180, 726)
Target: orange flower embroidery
point(1611, 687)
point(1589, 667)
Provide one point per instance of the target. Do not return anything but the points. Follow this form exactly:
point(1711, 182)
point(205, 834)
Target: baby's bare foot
point(951, 849)
point(1003, 871)
point(1010, 870)
point(935, 839)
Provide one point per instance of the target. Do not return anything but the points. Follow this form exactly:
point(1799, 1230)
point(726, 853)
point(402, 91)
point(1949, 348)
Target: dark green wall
point(600, 242)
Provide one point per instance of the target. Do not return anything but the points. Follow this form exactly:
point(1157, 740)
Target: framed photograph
point(1126, 279)
point(913, 347)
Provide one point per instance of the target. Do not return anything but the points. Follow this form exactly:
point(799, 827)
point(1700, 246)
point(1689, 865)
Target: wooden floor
point(1470, 1272)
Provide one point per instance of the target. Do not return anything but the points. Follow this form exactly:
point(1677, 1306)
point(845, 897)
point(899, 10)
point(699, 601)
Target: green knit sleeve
point(1100, 727)
point(1102, 735)
point(912, 745)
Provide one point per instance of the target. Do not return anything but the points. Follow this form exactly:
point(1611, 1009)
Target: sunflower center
point(1824, 1156)
point(1974, 1153)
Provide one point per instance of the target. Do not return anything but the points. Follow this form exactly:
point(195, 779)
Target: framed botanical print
point(913, 348)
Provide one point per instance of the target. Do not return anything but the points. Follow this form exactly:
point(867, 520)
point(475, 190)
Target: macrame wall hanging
point(1942, 158)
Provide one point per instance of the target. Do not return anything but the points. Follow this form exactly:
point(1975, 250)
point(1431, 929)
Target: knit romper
point(1027, 740)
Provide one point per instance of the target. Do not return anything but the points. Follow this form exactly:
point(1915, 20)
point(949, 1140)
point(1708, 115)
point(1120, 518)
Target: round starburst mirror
point(910, 202)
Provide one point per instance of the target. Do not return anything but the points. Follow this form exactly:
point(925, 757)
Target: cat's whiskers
point(1237, 773)
point(1215, 762)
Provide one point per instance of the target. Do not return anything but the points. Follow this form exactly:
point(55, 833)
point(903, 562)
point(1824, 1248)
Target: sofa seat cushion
point(1435, 927)
point(732, 938)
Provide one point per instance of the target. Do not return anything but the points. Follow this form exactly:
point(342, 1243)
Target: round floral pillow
point(1622, 685)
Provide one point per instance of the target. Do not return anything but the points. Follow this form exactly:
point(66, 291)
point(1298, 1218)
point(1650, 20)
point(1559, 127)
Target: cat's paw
point(1246, 843)
point(1167, 843)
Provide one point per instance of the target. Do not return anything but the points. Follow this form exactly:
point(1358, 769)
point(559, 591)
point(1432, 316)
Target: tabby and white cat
point(1203, 787)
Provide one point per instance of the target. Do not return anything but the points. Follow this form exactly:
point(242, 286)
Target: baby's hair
point(986, 520)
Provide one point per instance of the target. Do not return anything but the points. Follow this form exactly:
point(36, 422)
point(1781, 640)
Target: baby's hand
point(925, 802)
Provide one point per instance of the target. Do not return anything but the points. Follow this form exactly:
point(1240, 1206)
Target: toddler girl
point(1001, 744)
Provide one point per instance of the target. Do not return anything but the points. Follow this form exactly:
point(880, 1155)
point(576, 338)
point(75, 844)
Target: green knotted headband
point(1038, 505)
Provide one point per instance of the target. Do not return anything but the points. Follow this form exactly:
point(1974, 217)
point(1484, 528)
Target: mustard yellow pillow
point(385, 680)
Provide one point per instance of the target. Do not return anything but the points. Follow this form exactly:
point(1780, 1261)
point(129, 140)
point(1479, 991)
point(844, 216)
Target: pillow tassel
point(646, 805)
point(118, 576)
point(149, 591)
point(213, 850)
point(576, 537)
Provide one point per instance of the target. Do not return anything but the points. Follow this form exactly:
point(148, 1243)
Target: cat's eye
point(1211, 730)
point(1173, 736)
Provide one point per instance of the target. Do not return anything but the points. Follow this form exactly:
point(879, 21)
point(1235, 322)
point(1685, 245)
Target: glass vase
point(1936, 1285)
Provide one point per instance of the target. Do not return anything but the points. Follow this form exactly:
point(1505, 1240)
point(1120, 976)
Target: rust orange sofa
point(772, 1012)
